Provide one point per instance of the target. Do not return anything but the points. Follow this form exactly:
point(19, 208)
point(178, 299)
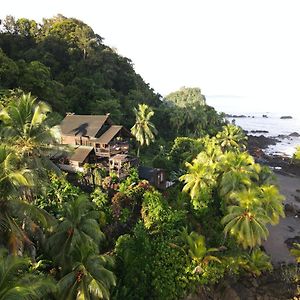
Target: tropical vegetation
point(71, 237)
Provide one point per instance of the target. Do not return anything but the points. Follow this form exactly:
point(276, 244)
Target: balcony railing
point(112, 149)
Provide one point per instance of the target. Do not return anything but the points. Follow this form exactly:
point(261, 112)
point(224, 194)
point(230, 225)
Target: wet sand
point(289, 227)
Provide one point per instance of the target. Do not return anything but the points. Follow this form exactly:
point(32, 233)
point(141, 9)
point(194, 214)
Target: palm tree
point(272, 203)
point(239, 172)
point(11, 177)
point(15, 212)
point(26, 128)
point(197, 250)
point(85, 39)
point(232, 137)
point(257, 262)
point(201, 176)
point(247, 225)
point(17, 283)
point(89, 277)
point(79, 226)
point(143, 129)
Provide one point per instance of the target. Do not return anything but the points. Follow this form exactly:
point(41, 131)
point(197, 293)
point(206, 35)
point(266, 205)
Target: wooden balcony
point(111, 150)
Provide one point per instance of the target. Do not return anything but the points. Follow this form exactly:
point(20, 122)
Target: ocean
point(273, 124)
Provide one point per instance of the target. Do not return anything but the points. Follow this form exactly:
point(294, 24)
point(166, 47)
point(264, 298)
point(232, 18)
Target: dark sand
point(289, 227)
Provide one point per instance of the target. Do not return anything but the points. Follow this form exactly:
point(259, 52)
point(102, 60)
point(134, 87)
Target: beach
point(287, 177)
point(288, 227)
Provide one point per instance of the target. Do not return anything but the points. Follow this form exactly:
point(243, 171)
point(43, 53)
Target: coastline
point(287, 175)
point(282, 235)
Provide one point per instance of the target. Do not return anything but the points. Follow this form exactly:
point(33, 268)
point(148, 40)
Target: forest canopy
point(63, 62)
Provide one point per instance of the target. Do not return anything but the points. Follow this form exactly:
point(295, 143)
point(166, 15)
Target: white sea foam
point(275, 127)
point(273, 124)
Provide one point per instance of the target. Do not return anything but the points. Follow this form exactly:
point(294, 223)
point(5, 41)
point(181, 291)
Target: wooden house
point(155, 176)
point(96, 131)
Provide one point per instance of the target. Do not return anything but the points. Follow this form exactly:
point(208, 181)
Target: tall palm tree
point(79, 226)
point(247, 220)
point(239, 172)
point(15, 212)
point(143, 130)
point(272, 202)
point(201, 175)
point(26, 127)
point(17, 283)
point(89, 277)
point(232, 138)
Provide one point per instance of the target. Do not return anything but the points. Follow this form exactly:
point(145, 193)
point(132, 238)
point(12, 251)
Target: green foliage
point(196, 249)
point(149, 267)
point(154, 209)
point(65, 63)
point(186, 96)
point(239, 172)
point(57, 193)
point(133, 265)
point(99, 198)
point(258, 262)
point(232, 138)
point(169, 280)
point(89, 278)
point(143, 130)
point(16, 282)
point(130, 180)
point(201, 176)
point(25, 126)
point(9, 71)
point(296, 252)
point(296, 155)
point(185, 149)
point(77, 227)
point(14, 210)
point(253, 210)
point(224, 180)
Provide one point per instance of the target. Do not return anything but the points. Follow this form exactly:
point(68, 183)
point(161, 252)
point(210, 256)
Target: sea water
point(273, 124)
point(274, 127)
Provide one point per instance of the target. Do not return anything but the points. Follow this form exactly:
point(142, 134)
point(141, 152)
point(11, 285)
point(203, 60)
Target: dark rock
point(289, 209)
point(260, 142)
point(283, 136)
point(286, 117)
point(235, 116)
point(259, 131)
point(295, 134)
point(230, 294)
point(264, 116)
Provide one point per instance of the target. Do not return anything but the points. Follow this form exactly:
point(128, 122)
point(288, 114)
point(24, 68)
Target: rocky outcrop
point(294, 134)
point(259, 131)
point(286, 117)
point(274, 286)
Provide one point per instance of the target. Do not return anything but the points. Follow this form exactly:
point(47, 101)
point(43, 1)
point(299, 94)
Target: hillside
point(65, 63)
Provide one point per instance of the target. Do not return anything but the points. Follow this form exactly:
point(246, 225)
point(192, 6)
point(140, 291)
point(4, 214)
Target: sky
point(243, 54)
